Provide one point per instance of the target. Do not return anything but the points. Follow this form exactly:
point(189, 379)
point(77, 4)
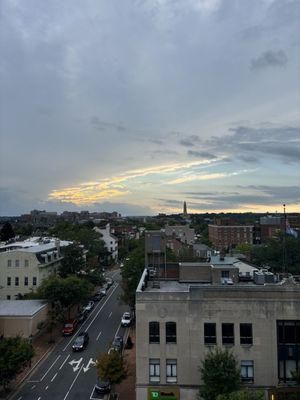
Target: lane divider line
point(72, 384)
point(98, 335)
point(54, 377)
point(48, 370)
point(64, 361)
point(110, 314)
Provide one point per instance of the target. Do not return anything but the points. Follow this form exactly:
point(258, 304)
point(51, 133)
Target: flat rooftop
point(20, 308)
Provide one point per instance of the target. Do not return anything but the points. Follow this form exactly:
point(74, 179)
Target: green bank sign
point(165, 393)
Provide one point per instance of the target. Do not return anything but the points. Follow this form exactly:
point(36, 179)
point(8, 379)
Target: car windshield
point(68, 325)
point(79, 340)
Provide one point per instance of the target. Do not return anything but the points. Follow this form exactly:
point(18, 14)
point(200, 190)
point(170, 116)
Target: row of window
point(247, 370)
point(154, 334)
point(26, 281)
point(17, 263)
point(210, 333)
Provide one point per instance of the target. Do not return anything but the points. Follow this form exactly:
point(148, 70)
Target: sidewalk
point(126, 389)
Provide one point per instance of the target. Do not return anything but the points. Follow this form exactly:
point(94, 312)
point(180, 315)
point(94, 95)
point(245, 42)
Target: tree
point(111, 367)
point(132, 272)
point(72, 261)
point(67, 291)
point(296, 376)
point(243, 395)
point(7, 232)
point(220, 374)
point(15, 353)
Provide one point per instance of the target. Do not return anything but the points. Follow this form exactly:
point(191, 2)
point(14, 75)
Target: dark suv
point(81, 341)
point(118, 343)
point(102, 387)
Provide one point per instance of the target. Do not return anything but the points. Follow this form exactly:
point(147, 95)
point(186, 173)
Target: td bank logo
point(154, 395)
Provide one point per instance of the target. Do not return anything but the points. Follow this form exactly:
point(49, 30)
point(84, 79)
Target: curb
point(30, 372)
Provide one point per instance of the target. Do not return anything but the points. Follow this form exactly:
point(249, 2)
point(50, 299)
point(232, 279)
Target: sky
point(138, 105)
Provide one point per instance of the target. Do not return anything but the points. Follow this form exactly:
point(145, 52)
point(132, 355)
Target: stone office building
point(179, 321)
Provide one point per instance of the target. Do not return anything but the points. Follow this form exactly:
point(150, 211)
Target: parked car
point(102, 387)
point(103, 291)
point(90, 305)
point(109, 282)
point(81, 341)
point(80, 317)
point(126, 319)
point(118, 343)
point(97, 297)
point(69, 327)
point(111, 349)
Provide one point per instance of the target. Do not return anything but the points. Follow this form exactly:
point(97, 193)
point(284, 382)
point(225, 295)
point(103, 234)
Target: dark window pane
point(154, 332)
point(170, 332)
point(228, 333)
point(210, 336)
point(246, 334)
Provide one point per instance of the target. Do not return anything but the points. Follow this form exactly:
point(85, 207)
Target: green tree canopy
point(14, 354)
point(72, 261)
point(271, 254)
point(220, 374)
point(111, 367)
point(68, 291)
point(132, 271)
point(7, 232)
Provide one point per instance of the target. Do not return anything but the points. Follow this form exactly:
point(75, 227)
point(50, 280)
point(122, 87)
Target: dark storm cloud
point(269, 58)
point(201, 154)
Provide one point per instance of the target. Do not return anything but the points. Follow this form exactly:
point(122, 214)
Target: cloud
point(206, 177)
point(187, 143)
point(103, 125)
point(201, 154)
point(269, 58)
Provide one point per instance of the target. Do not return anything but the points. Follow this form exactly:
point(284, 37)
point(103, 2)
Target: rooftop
point(34, 245)
point(20, 308)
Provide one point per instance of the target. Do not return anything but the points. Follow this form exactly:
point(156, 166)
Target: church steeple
point(184, 209)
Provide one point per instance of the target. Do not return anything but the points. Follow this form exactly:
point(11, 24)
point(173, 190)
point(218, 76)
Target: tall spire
point(184, 208)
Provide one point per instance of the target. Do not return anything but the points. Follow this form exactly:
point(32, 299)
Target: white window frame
point(154, 370)
point(171, 371)
point(247, 370)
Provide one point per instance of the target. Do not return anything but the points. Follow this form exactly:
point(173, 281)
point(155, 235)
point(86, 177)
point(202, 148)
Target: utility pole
point(284, 241)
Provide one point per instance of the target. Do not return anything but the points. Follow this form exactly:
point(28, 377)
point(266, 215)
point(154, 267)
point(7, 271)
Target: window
point(228, 333)
point(8, 281)
point(247, 373)
point(26, 281)
point(8, 297)
point(210, 336)
point(9, 263)
point(246, 334)
point(154, 332)
point(26, 263)
point(170, 332)
point(288, 348)
point(225, 274)
point(171, 371)
point(17, 263)
point(34, 281)
point(16, 281)
point(154, 370)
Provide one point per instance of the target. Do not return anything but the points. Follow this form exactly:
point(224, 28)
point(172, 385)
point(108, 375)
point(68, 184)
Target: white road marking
point(64, 361)
point(19, 398)
point(57, 358)
point(92, 395)
point(117, 331)
point(32, 387)
point(77, 363)
point(91, 362)
point(110, 314)
point(39, 398)
point(72, 384)
point(98, 335)
point(86, 329)
point(46, 388)
point(54, 376)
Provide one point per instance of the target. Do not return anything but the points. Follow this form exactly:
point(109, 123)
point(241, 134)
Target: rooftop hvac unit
point(269, 277)
point(259, 278)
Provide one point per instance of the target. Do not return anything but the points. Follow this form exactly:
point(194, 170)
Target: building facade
point(227, 236)
point(110, 241)
point(181, 232)
point(179, 322)
point(24, 265)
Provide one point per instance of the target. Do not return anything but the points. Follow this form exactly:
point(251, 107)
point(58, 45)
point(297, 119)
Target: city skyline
point(136, 106)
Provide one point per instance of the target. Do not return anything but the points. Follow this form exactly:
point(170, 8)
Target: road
point(65, 375)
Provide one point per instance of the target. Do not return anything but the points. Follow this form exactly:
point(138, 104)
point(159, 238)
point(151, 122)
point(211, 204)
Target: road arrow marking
point(77, 363)
point(91, 362)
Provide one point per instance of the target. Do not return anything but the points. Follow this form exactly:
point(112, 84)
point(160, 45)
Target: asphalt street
point(66, 375)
